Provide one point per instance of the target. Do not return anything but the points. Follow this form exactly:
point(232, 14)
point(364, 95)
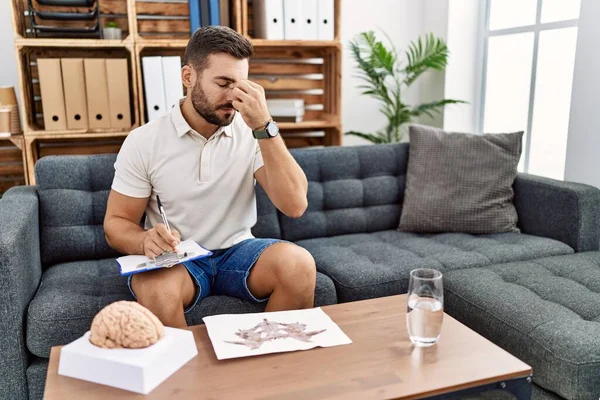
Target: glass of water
point(425, 310)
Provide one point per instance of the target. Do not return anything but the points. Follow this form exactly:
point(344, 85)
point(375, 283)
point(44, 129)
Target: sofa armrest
point(565, 211)
point(20, 273)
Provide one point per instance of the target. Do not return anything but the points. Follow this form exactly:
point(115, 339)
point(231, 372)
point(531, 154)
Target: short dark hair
point(212, 40)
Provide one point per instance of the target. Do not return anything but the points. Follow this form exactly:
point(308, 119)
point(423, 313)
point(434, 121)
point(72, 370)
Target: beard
point(207, 111)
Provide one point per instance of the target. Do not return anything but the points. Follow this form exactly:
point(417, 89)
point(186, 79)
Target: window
point(528, 60)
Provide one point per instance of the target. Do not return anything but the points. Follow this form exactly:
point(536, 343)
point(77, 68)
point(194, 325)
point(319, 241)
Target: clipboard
point(187, 250)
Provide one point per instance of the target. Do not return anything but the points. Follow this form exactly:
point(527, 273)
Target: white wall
point(583, 145)
point(8, 62)
point(431, 83)
point(402, 20)
point(463, 73)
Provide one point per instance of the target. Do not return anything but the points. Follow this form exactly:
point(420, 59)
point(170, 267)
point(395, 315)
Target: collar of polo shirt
point(182, 127)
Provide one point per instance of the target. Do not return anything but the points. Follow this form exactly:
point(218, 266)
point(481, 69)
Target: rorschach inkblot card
point(244, 335)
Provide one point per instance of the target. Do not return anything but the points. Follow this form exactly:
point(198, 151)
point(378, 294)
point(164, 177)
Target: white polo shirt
point(206, 186)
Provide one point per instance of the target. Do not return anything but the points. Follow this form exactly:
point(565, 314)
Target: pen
point(162, 213)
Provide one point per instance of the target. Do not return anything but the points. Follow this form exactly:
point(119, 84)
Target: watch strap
point(262, 132)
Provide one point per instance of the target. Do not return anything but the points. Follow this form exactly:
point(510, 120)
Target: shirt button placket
point(205, 162)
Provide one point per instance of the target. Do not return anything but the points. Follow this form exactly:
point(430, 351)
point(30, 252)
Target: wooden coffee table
point(380, 364)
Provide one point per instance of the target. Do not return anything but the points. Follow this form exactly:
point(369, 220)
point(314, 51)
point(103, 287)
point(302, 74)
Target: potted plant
point(386, 78)
point(111, 31)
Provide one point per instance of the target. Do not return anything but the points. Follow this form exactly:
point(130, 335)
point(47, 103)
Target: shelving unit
point(308, 69)
point(13, 164)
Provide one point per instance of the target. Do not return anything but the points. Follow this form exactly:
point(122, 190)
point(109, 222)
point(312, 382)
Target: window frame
point(486, 33)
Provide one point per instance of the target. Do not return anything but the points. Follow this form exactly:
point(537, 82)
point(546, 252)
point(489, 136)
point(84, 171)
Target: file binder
point(171, 69)
point(154, 89)
point(195, 22)
point(224, 12)
point(74, 88)
point(96, 89)
point(325, 14)
point(268, 19)
point(204, 13)
point(292, 12)
point(214, 16)
point(51, 89)
point(118, 92)
point(309, 20)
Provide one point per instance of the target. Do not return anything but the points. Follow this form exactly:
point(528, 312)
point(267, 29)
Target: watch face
point(272, 129)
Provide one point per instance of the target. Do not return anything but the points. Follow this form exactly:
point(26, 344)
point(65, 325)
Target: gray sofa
point(535, 293)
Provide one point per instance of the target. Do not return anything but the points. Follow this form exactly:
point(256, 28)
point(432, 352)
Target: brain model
point(125, 324)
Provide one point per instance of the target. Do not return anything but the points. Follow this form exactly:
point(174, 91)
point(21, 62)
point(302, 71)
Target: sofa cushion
point(267, 216)
point(73, 192)
point(459, 182)
point(36, 377)
point(545, 312)
point(350, 190)
point(378, 264)
point(71, 294)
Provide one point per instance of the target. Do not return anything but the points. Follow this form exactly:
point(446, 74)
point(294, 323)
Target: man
point(201, 159)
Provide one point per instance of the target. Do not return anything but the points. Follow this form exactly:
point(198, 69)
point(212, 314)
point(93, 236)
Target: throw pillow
point(460, 182)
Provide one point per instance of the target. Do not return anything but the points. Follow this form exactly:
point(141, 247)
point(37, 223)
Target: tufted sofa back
point(350, 190)
point(73, 191)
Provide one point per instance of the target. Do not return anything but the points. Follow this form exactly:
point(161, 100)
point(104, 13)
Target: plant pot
point(110, 33)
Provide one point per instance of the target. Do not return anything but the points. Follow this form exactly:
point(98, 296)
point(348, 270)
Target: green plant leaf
point(433, 107)
point(375, 62)
point(381, 58)
point(382, 76)
point(373, 138)
point(421, 56)
point(393, 49)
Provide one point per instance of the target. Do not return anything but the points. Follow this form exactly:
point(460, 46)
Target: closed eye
point(223, 81)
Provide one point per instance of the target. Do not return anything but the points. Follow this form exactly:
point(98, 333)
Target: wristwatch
point(269, 130)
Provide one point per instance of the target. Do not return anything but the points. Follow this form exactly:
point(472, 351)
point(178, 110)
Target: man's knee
point(166, 286)
point(297, 268)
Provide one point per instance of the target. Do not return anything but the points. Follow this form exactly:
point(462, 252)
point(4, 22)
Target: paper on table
point(243, 335)
point(186, 251)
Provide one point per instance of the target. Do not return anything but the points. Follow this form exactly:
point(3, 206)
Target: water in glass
point(425, 310)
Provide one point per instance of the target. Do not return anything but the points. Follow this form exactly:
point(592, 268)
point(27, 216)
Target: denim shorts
point(226, 271)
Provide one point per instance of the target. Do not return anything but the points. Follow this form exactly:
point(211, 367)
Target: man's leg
point(287, 273)
point(166, 292)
